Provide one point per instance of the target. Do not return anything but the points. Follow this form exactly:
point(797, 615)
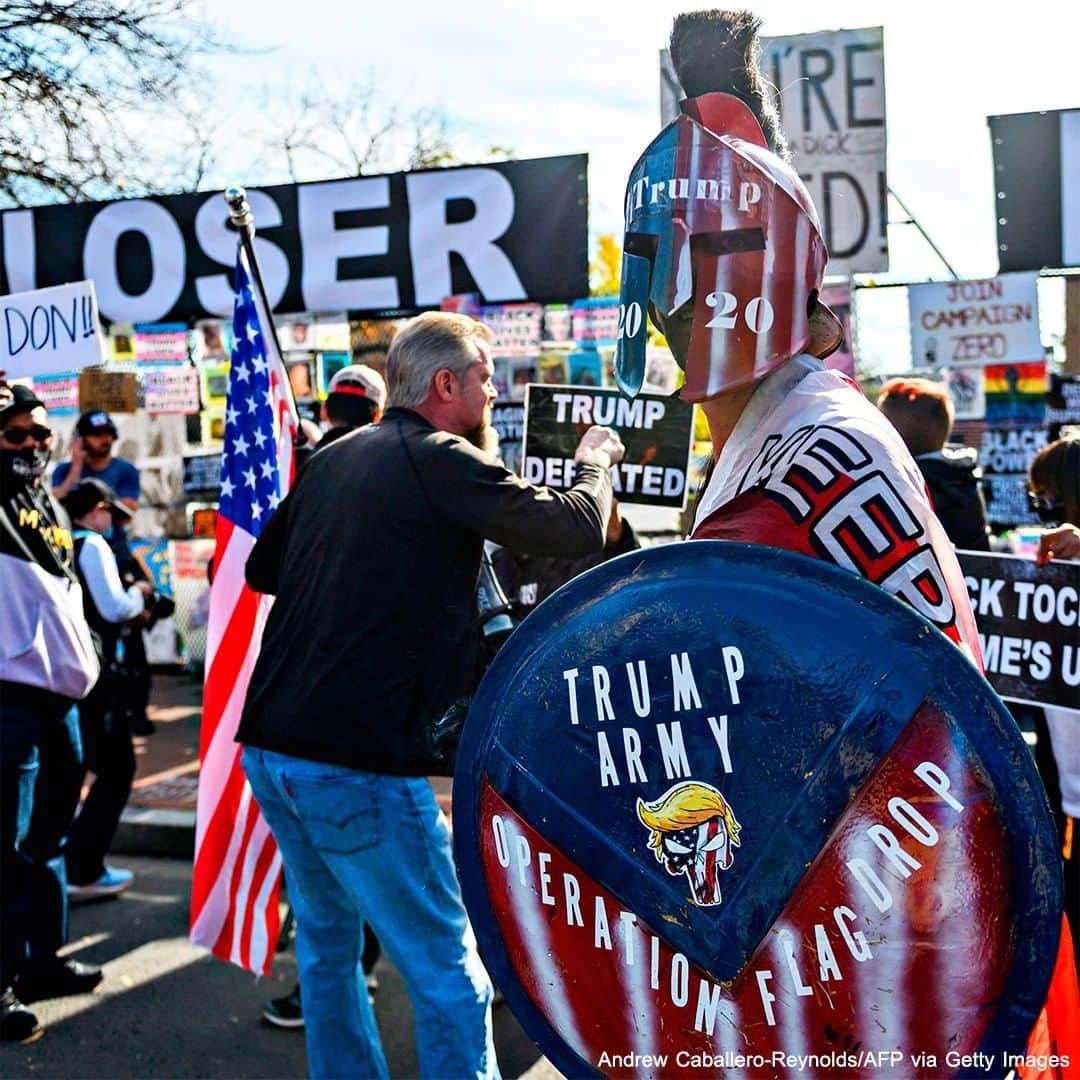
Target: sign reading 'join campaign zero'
point(720, 807)
point(47, 331)
point(370, 244)
point(656, 431)
point(993, 321)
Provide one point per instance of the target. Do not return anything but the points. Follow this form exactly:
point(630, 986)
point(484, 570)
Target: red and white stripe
point(237, 873)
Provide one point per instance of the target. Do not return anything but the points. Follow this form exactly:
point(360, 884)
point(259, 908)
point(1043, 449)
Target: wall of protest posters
point(655, 430)
point(397, 243)
point(1027, 617)
point(832, 108)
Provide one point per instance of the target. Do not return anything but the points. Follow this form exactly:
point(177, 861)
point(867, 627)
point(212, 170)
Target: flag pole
point(243, 221)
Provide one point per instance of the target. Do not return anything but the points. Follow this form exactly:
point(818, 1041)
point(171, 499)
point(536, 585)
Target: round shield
point(720, 809)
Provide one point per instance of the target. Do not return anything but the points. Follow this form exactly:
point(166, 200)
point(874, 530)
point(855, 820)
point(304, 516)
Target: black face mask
point(1053, 514)
point(21, 467)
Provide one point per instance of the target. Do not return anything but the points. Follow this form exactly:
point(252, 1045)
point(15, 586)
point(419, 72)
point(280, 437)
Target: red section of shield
point(835, 979)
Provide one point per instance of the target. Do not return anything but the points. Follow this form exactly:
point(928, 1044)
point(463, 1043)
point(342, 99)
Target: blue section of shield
point(834, 668)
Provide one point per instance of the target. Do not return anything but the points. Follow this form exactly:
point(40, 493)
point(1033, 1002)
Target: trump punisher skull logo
point(693, 832)
point(717, 800)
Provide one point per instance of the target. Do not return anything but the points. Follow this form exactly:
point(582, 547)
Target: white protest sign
point(992, 321)
point(50, 330)
point(171, 390)
point(832, 108)
point(833, 114)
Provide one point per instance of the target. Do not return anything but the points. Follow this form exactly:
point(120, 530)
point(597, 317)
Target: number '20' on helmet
point(723, 241)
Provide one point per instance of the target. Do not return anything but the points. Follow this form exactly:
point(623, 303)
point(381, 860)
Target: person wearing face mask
point(47, 663)
point(1054, 491)
point(108, 749)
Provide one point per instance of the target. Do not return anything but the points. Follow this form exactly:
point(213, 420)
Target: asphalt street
point(168, 1009)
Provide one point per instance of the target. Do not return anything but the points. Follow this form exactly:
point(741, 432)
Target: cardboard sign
point(508, 420)
point(993, 321)
point(108, 391)
point(967, 388)
point(596, 322)
point(171, 390)
point(702, 827)
point(59, 393)
point(1016, 393)
point(160, 343)
point(518, 328)
point(1005, 455)
point(202, 473)
point(1027, 617)
point(46, 331)
point(655, 430)
point(832, 107)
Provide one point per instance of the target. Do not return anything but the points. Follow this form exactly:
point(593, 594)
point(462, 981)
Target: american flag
point(234, 893)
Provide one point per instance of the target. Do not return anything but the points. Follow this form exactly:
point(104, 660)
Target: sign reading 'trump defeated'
point(655, 430)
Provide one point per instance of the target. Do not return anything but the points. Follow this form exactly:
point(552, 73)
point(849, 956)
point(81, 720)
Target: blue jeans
point(361, 846)
point(41, 759)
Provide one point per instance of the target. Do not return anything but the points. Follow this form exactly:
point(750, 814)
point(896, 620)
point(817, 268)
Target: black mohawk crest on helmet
point(717, 51)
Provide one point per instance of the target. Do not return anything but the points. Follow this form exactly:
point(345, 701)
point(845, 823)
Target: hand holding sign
point(600, 446)
point(1060, 543)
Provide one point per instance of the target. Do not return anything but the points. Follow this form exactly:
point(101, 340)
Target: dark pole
point(244, 222)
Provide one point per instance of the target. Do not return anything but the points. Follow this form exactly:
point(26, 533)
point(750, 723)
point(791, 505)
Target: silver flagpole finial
point(239, 210)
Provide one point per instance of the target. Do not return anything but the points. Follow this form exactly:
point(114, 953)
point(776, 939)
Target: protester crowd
point(373, 641)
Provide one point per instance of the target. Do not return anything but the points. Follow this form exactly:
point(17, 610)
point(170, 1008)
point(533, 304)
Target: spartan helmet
point(694, 832)
point(723, 241)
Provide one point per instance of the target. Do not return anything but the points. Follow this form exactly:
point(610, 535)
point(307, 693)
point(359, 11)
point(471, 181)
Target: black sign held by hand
point(1027, 617)
point(655, 430)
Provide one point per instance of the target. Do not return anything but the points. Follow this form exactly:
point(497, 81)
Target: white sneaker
point(114, 880)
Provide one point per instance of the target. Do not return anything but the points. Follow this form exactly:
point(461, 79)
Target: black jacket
point(953, 478)
point(529, 580)
point(374, 557)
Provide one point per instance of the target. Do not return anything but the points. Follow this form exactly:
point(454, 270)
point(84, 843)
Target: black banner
point(1037, 212)
point(655, 430)
point(1027, 617)
point(393, 244)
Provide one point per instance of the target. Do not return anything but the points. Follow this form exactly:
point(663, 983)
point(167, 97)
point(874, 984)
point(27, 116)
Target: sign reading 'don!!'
point(1028, 617)
point(655, 430)
point(703, 829)
point(45, 331)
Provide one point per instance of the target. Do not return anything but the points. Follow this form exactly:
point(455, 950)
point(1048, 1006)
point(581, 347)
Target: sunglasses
point(18, 435)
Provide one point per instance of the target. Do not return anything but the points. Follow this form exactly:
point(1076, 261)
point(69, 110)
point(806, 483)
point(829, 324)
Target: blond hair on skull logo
point(694, 832)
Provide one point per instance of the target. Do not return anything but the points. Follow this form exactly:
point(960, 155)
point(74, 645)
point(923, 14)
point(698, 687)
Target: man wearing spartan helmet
point(693, 832)
point(724, 250)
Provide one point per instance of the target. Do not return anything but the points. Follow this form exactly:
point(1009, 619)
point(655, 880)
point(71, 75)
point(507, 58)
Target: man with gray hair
point(373, 558)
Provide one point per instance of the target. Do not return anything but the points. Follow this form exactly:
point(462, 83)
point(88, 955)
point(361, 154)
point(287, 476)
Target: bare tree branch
point(74, 75)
